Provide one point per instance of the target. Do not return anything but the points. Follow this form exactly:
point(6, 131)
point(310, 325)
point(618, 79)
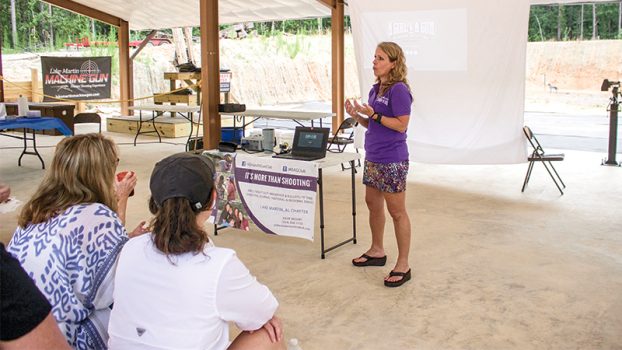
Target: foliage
point(41, 26)
point(290, 45)
point(576, 21)
point(275, 28)
point(107, 50)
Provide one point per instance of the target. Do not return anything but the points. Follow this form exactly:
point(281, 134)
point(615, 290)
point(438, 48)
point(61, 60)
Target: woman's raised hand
point(139, 230)
point(363, 108)
point(356, 109)
point(350, 109)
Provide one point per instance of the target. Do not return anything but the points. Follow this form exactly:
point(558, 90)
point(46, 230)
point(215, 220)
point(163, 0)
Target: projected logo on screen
point(411, 29)
point(431, 40)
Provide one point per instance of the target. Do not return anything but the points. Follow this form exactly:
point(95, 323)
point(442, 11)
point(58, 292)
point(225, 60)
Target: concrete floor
point(493, 268)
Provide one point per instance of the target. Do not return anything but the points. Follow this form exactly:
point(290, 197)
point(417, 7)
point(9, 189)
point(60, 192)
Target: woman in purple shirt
point(386, 117)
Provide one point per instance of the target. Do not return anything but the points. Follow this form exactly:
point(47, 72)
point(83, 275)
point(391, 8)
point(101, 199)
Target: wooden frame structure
point(338, 60)
point(210, 61)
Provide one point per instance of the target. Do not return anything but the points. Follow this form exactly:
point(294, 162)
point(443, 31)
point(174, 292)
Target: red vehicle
point(84, 42)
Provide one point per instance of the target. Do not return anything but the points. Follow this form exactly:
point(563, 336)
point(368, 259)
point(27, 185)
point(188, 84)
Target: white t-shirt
point(185, 302)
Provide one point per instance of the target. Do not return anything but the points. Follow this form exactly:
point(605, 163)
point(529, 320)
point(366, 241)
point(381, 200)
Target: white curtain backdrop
point(466, 62)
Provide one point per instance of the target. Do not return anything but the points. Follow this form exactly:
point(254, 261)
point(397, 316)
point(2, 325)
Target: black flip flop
point(405, 278)
point(371, 261)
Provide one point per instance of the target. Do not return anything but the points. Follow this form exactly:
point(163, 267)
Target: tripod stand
point(613, 121)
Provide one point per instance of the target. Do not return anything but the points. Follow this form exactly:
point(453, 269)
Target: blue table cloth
point(38, 123)
point(30, 125)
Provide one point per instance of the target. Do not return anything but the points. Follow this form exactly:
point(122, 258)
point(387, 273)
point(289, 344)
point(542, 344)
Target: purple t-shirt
point(384, 145)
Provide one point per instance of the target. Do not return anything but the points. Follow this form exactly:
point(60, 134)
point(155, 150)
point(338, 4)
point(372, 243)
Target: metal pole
point(613, 131)
point(353, 169)
point(2, 74)
point(320, 183)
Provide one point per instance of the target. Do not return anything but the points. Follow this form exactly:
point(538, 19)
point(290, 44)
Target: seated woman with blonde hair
point(69, 236)
point(173, 288)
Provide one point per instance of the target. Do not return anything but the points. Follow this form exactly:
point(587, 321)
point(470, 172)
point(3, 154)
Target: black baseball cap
point(183, 175)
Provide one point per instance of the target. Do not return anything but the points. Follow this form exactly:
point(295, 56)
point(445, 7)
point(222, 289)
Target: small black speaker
point(225, 146)
point(231, 107)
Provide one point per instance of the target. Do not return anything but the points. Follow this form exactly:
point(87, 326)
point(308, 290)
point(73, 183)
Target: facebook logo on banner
point(284, 168)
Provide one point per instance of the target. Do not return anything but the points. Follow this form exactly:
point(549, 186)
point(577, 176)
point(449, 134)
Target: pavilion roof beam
point(329, 3)
point(86, 11)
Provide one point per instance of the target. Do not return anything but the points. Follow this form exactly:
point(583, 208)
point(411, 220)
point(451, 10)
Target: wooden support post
point(210, 73)
point(34, 85)
point(125, 67)
point(338, 63)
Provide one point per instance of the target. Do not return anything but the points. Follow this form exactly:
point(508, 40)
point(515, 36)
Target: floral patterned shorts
point(389, 177)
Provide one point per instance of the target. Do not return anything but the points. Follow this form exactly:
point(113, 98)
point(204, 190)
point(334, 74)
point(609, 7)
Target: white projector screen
point(466, 62)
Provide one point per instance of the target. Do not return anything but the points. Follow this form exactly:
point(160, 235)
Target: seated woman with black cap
point(173, 288)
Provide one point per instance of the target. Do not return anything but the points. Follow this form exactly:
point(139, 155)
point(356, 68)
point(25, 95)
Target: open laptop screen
point(310, 140)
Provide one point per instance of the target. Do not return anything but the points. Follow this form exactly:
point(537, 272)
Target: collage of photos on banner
point(229, 210)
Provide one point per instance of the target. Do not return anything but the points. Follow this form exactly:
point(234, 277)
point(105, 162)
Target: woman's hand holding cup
point(125, 183)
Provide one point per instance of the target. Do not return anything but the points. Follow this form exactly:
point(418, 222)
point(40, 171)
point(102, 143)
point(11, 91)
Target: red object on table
point(121, 176)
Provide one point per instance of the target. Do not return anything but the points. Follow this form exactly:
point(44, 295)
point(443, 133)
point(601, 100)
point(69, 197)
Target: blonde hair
point(82, 171)
point(399, 72)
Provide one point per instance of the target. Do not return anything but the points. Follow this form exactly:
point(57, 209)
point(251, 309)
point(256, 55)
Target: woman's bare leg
point(257, 340)
point(375, 203)
point(396, 204)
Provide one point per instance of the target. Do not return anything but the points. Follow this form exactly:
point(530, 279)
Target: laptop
point(309, 144)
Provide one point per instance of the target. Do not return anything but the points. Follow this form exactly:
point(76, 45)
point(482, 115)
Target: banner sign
point(76, 78)
point(278, 196)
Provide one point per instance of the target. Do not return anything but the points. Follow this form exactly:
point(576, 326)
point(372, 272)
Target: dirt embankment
point(290, 69)
point(574, 65)
point(565, 76)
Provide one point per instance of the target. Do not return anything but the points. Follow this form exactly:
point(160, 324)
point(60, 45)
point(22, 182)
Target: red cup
point(121, 176)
